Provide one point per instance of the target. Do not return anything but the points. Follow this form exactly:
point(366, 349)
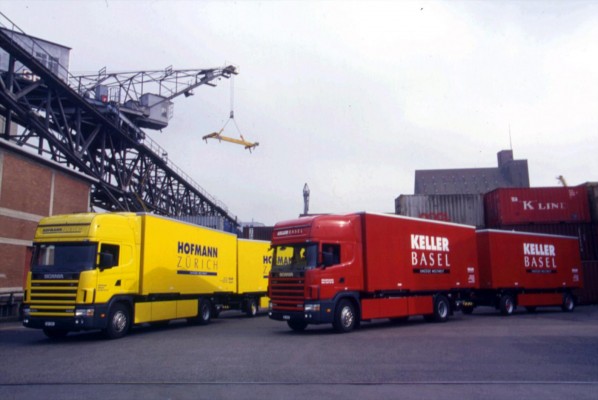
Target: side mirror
point(106, 260)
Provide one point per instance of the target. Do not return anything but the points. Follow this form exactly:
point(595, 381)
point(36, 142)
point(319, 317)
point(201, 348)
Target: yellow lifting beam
point(218, 135)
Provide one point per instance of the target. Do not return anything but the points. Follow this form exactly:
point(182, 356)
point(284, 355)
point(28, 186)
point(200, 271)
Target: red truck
point(525, 269)
point(343, 269)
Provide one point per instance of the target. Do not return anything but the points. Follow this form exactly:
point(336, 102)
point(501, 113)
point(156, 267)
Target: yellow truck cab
point(110, 271)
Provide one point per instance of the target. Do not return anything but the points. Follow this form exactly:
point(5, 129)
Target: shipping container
point(518, 206)
point(465, 209)
point(586, 233)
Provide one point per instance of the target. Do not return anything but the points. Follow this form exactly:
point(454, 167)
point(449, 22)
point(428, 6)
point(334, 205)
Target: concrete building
point(509, 173)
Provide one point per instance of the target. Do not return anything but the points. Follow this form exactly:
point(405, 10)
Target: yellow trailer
point(111, 271)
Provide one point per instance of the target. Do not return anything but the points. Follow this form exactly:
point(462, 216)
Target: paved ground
point(546, 355)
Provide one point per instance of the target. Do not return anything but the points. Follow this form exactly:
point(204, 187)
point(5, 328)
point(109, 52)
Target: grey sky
point(351, 97)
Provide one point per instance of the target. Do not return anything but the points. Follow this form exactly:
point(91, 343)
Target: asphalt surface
point(544, 355)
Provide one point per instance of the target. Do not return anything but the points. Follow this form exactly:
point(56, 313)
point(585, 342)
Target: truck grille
point(287, 293)
point(53, 298)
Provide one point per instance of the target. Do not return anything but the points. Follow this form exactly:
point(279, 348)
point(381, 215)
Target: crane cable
point(231, 116)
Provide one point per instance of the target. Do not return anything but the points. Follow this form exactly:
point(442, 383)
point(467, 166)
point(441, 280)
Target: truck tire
point(506, 304)
point(297, 326)
point(442, 309)
point(345, 317)
point(251, 307)
point(204, 312)
point(119, 321)
point(55, 333)
point(568, 302)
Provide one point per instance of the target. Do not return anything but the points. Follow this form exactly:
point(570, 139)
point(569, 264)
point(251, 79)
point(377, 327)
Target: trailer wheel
point(568, 303)
point(119, 321)
point(251, 307)
point(55, 333)
point(205, 312)
point(297, 326)
point(506, 304)
point(345, 318)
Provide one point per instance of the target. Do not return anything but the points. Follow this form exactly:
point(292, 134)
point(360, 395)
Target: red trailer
point(525, 269)
point(343, 269)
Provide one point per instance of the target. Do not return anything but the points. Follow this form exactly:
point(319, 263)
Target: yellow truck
point(110, 271)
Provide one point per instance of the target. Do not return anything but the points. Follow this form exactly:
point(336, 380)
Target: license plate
point(286, 317)
point(50, 323)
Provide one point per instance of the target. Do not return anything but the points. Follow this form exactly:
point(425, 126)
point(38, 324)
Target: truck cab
point(81, 264)
point(316, 263)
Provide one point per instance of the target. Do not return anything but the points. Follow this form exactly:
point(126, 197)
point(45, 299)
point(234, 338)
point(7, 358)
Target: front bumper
point(313, 313)
point(69, 323)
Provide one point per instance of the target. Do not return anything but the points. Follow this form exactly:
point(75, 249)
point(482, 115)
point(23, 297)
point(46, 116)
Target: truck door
point(119, 277)
point(337, 274)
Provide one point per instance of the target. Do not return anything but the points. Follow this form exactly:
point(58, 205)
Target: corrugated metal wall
point(459, 208)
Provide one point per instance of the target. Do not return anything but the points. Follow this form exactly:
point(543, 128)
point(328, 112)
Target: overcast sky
point(351, 97)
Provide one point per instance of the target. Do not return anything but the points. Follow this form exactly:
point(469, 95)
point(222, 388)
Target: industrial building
point(509, 173)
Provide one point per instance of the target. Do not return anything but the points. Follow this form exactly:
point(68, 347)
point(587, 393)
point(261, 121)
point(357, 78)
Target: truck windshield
point(64, 257)
point(298, 257)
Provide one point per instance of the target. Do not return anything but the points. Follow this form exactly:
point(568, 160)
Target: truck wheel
point(119, 321)
point(568, 303)
point(442, 309)
point(55, 333)
point(297, 326)
point(205, 312)
point(251, 307)
point(345, 318)
point(506, 304)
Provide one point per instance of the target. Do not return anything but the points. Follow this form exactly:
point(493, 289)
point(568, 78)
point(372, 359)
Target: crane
point(562, 180)
point(143, 99)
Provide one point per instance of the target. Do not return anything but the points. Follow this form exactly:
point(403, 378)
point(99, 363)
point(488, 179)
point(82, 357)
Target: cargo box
point(417, 255)
point(185, 258)
point(527, 261)
point(253, 266)
point(517, 206)
point(586, 234)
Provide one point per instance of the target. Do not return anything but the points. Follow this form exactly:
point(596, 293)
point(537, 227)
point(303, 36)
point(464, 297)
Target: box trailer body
point(112, 270)
point(526, 269)
point(342, 269)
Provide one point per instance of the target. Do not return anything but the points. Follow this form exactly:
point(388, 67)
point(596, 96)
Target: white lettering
point(430, 243)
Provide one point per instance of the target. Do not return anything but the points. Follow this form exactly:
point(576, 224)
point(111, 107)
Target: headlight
point(312, 307)
point(84, 312)
point(26, 312)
